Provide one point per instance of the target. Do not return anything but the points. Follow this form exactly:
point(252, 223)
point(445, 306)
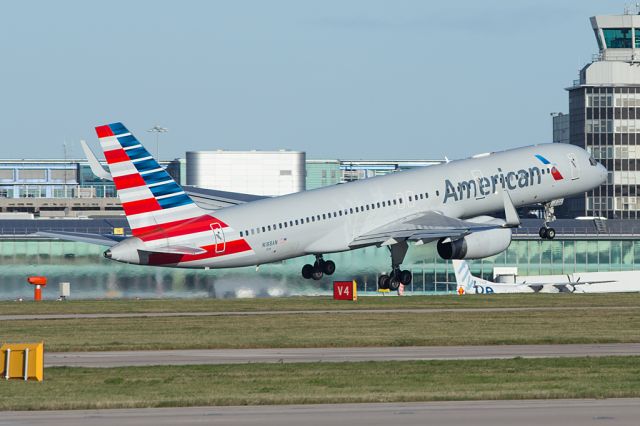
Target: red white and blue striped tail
point(151, 199)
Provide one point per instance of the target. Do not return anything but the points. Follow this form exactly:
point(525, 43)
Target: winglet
point(510, 213)
point(95, 165)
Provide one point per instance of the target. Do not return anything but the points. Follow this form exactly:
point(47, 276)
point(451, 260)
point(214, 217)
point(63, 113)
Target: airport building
point(580, 246)
point(52, 188)
point(604, 118)
point(268, 173)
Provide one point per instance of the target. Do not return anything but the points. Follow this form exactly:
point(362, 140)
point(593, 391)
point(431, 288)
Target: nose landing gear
point(546, 232)
point(318, 269)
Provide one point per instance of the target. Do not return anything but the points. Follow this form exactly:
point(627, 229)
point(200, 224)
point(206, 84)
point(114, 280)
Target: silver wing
point(433, 225)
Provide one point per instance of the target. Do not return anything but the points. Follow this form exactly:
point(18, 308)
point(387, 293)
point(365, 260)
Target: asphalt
point(301, 355)
point(610, 412)
point(306, 312)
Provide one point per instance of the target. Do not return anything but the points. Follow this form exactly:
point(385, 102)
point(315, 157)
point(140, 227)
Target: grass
point(319, 303)
point(330, 330)
point(251, 384)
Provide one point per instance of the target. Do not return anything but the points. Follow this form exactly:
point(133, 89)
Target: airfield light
point(157, 130)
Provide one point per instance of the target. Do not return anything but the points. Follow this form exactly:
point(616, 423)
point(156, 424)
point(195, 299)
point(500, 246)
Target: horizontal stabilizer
point(99, 239)
point(95, 165)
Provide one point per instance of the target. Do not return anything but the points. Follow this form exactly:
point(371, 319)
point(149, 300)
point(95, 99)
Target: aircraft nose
point(603, 173)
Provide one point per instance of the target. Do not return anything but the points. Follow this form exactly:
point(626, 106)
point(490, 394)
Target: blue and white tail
point(466, 283)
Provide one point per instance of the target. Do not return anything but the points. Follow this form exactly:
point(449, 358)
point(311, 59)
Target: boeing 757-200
point(445, 203)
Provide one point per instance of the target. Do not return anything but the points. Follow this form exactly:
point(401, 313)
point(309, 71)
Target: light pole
point(157, 130)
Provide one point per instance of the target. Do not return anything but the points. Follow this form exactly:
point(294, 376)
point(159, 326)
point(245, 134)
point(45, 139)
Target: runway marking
point(310, 312)
point(359, 354)
point(561, 412)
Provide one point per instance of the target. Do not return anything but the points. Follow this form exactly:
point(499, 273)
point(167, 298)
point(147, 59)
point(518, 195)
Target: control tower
point(604, 118)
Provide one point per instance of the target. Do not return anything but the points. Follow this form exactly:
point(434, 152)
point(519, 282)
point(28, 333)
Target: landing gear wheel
point(551, 233)
point(406, 277)
point(383, 282)
point(317, 274)
point(394, 284)
point(543, 233)
point(328, 267)
point(307, 271)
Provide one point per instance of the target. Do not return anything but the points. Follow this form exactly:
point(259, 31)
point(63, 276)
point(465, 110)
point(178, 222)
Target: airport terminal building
point(580, 246)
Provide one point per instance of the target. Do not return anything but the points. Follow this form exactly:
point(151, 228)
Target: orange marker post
point(38, 282)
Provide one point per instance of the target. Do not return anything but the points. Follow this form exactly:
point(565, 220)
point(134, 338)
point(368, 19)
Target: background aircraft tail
point(465, 281)
point(150, 197)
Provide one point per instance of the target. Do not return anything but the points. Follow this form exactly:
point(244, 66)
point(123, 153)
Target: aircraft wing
point(425, 228)
point(433, 225)
point(99, 239)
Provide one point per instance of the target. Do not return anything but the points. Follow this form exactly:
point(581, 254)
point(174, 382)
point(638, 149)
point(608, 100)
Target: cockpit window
point(592, 161)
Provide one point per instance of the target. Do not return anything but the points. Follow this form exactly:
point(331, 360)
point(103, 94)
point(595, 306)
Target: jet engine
point(477, 245)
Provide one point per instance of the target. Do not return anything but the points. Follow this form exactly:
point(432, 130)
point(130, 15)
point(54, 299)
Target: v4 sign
point(344, 290)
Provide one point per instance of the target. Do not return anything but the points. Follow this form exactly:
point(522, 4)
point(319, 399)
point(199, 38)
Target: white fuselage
point(328, 219)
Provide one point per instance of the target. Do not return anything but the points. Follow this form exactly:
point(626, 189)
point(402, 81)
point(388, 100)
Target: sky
point(356, 79)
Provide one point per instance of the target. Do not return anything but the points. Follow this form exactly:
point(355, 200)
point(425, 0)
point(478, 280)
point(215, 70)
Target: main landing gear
point(318, 269)
point(396, 276)
point(547, 233)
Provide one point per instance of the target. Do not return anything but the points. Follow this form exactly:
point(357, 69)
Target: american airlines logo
point(483, 186)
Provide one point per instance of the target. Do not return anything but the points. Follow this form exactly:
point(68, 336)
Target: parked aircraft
point(570, 283)
point(446, 203)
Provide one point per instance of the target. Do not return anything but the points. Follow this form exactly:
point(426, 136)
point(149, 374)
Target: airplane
point(469, 284)
point(447, 203)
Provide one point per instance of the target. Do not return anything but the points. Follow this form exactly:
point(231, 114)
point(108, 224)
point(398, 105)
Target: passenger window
point(280, 225)
point(268, 227)
point(324, 216)
point(378, 205)
point(351, 210)
point(394, 202)
point(542, 173)
point(357, 209)
point(400, 200)
point(263, 229)
point(410, 198)
point(253, 231)
point(241, 234)
point(318, 217)
point(367, 206)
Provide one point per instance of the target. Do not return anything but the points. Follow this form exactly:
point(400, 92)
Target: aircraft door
point(574, 166)
point(218, 237)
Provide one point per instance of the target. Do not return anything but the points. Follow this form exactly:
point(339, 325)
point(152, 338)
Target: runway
point(610, 412)
point(301, 355)
point(307, 312)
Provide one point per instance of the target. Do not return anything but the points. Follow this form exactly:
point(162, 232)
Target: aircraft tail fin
point(150, 197)
point(464, 279)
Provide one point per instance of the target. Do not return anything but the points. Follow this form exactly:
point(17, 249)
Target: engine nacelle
point(477, 245)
